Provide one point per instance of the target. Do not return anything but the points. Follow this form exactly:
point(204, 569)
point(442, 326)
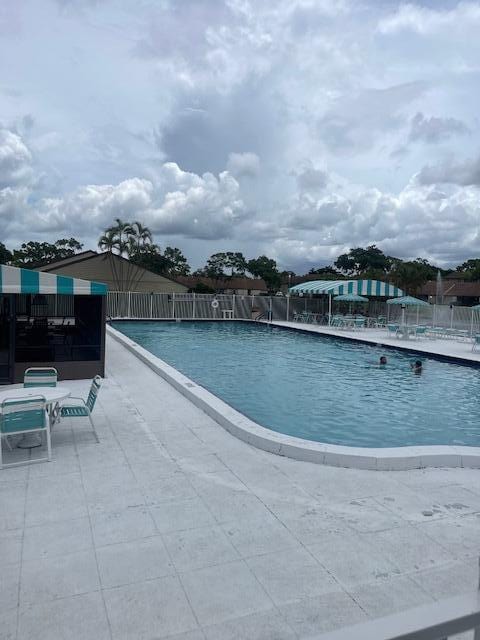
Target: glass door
point(6, 338)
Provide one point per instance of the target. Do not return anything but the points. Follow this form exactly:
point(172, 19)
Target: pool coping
point(381, 459)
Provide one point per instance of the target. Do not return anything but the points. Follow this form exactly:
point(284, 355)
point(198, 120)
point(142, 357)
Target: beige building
point(113, 270)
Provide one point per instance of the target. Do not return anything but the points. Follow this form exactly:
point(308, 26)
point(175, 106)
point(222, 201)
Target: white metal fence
point(200, 306)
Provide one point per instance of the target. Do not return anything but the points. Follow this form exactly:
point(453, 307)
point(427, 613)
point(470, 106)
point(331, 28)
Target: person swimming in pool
point(417, 366)
point(383, 361)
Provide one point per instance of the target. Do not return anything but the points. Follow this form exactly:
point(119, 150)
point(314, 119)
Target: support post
point(329, 309)
point(270, 309)
point(288, 307)
point(173, 304)
point(233, 307)
point(129, 307)
point(193, 307)
point(151, 305)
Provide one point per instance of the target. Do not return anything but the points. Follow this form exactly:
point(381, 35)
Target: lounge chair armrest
point(64, 404)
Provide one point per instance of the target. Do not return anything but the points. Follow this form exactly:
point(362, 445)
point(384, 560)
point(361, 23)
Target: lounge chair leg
point(93, 428)
point(49, 443)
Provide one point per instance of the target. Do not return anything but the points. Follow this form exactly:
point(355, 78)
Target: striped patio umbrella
point(408, 301)
point(350, 297)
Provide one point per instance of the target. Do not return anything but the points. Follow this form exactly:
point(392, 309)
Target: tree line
point(134, 241)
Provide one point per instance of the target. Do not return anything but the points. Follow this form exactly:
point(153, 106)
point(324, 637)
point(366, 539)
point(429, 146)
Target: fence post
point(233, 307)
point(173, 305)
point(193, 307)
point(288, 307)
point(129, 306)
point(151, 305)
point(270, 309)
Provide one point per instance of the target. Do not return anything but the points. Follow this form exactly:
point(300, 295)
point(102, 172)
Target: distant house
point(118, 273)
point(455, 290)
point(236, 285)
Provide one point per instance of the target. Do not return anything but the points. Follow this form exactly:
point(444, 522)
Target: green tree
point(177, 262)
point(411, 275)
point(326, 273)
point(170, 262)
point(215, 266)
point(366, 261)
point(235, 261)
point(470, 269)
point(266, 268)
point(32, 254)
point(5, 254)
point(219, 263)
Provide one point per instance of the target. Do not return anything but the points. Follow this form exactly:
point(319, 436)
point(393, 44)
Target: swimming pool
point(321, 388)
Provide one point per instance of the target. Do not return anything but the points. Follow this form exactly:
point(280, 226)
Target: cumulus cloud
point(433, 129)
point(15, 160)
point(309, 178)
point(206, 207)
point(243, 164)
point(355, 122)
point(223, 91)
point(173, 201)
point(465, 173)
point(425, 20)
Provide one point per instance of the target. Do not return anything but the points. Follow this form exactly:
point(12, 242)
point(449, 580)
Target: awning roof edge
point(337, 287)
point(16, 280)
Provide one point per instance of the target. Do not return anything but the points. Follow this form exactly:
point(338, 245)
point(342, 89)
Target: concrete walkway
point(172, 528)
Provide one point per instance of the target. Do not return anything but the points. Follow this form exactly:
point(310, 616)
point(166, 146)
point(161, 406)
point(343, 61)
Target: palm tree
point(142, 235)
point(107, 243)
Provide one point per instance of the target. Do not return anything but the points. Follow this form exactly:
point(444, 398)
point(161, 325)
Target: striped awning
point(338, 287)
point(14, 280)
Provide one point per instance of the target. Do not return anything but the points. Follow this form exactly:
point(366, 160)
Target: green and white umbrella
point(350, 297)
point(407, 301)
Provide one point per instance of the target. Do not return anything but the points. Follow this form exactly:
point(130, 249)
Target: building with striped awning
point(374, 288)
point(50, 320)
point(13, 280)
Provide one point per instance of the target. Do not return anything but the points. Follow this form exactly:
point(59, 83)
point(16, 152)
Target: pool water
point(321, 388)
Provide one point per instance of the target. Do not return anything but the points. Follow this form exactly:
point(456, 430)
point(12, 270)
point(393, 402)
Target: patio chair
point(40, 377)
point(393, 328)
point(420, 331)
point(476, 342)
point(22, 416)
point(83, 408)
point(359, 323)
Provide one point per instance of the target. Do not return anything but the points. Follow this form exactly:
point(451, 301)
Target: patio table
point(52, 395)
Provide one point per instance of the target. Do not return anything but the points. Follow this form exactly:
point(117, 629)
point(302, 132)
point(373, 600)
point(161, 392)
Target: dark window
point(58, 328)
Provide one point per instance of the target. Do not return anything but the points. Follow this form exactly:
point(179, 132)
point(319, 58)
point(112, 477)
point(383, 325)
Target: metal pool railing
point(201, 306)
point(438, 621)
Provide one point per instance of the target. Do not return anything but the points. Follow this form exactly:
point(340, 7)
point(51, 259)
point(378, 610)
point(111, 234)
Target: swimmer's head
point(383, 360)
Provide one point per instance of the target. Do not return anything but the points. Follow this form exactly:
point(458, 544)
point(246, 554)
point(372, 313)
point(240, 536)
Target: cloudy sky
point(295, 128)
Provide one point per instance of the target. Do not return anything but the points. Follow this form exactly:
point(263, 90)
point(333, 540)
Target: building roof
point(236, 282)
point(455, 288)
point(60, 262)
point(374, 288)
point(15, 280)
point(138, 273)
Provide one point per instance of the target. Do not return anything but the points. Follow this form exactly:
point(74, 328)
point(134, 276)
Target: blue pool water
point(321, 388)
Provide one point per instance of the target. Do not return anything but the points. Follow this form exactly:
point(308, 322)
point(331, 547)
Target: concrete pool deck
point(172, 528)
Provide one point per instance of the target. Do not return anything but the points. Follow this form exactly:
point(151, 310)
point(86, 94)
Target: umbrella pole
point(329, 309)
point(418, 311)
point(471, 326)
point(403, 315)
